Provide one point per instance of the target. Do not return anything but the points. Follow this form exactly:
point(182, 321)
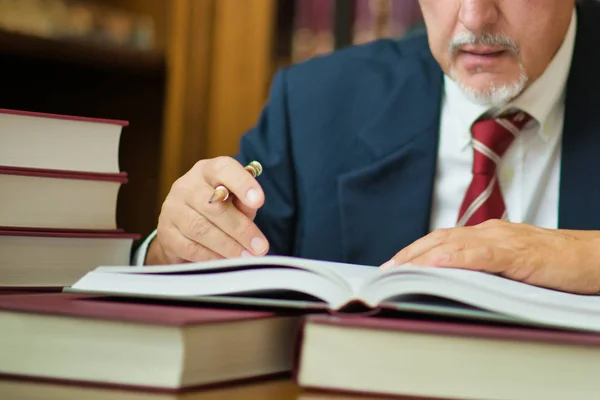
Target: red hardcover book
point(44, 259)
point(59, 142)
point(94, 340)
point(429, 359)
point(57, 199)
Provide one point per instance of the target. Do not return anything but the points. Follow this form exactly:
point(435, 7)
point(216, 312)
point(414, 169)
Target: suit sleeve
point(269, 143)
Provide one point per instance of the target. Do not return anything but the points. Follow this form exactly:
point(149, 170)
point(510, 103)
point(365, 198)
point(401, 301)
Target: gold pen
point(221, 193)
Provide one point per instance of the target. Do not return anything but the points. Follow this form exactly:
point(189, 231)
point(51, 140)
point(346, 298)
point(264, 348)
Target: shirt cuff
point(139, 257)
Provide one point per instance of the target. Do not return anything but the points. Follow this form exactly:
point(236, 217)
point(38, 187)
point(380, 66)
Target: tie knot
point(492, 137)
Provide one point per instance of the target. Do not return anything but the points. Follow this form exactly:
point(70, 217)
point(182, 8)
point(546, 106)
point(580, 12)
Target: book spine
point(60, 174)
point(313, 29)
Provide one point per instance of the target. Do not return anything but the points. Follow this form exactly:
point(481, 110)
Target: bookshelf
point(73, 52)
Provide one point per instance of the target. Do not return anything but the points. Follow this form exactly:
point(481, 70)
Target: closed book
point(445, 360)
point(59, 142)
point(104, 341)
point(59, 199)
point(36, 258)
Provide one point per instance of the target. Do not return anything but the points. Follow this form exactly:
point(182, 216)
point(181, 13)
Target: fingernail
point(388, 264)
point(252, 196)
point(258, 245)
point(246, 253)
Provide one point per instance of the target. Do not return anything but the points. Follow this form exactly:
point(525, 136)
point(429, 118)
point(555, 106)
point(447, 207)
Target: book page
point(490, 292)
point(250, 282)
point(350, 277)
point(335, 283)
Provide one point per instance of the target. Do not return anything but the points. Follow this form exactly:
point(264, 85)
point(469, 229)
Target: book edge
point(67, 233)
point(121, 177)
point(37, 114)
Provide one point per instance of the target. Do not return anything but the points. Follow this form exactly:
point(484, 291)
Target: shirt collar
point(538, 100)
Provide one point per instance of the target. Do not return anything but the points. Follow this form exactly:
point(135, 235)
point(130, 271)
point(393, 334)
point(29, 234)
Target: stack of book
point(415, 331)
point(60, 180)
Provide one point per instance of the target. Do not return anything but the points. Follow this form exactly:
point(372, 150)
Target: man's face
point(495, 48)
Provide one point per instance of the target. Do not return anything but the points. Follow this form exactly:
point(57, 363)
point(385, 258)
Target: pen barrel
point(255, 168)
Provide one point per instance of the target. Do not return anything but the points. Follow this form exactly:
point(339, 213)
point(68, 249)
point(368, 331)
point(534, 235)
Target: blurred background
point(191, 76)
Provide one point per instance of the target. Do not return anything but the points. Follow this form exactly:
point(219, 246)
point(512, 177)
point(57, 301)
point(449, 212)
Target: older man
point(476, 146)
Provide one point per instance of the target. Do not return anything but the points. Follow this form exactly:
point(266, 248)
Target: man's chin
point(491, 93)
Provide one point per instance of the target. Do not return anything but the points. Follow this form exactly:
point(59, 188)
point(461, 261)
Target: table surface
point(276, 389)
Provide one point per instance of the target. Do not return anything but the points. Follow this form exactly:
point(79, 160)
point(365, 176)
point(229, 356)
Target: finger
point(444, 255)
point(481, 257)
point(422, 245)
point(178, 245)
point(230, 173)
point(247, 211)
point(197, 228)
point(227, 218)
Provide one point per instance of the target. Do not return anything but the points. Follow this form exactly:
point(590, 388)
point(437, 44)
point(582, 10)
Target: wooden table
point(276, 389)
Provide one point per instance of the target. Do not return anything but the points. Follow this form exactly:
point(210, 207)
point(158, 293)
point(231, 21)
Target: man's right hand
point(190, 229)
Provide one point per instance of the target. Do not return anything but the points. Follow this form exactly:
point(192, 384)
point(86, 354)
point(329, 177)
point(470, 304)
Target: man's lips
point(474, 57)
point(482, 50)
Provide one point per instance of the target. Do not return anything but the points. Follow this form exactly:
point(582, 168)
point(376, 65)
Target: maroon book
point(94, 340)
point(45, 259)
point(63, 143)
point(443, 359)
point(44, 198)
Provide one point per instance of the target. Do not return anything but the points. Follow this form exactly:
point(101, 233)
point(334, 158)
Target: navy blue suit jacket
point(349, 141)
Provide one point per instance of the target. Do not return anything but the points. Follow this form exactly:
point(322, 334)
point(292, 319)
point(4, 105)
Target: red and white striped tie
point(491, 139)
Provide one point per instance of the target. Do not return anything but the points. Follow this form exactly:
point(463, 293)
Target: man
point(476, 146)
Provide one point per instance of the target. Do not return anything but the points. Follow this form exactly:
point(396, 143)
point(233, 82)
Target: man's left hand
point(564, 260)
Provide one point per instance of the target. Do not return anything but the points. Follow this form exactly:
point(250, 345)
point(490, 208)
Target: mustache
point(487, 39)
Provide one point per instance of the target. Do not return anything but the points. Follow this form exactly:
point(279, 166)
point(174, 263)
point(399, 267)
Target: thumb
point(249, 212)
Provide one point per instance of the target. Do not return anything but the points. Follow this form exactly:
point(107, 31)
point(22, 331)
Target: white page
point(494, 293)
point(215, 284)
point(347, 276)
point(520, 290)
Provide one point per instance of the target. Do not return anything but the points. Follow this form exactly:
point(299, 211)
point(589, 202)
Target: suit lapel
point(394, 167)
point(580, 162)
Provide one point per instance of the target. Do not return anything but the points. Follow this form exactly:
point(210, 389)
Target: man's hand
point(191, 229)
point(558, 259)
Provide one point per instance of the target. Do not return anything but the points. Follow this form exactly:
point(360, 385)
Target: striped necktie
point(490, 138)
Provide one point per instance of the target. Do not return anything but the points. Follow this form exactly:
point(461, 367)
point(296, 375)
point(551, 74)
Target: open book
point(278, 281)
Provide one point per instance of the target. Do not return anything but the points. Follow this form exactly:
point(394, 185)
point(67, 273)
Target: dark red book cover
point(473, 330)
point(67, 233)
point(59, 174)
point(108, 308)
point(65, 117)
point(9, 290)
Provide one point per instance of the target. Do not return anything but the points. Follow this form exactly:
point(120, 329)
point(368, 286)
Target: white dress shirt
point(529, 171)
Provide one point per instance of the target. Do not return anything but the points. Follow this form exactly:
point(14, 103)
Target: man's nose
point(478, 15)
